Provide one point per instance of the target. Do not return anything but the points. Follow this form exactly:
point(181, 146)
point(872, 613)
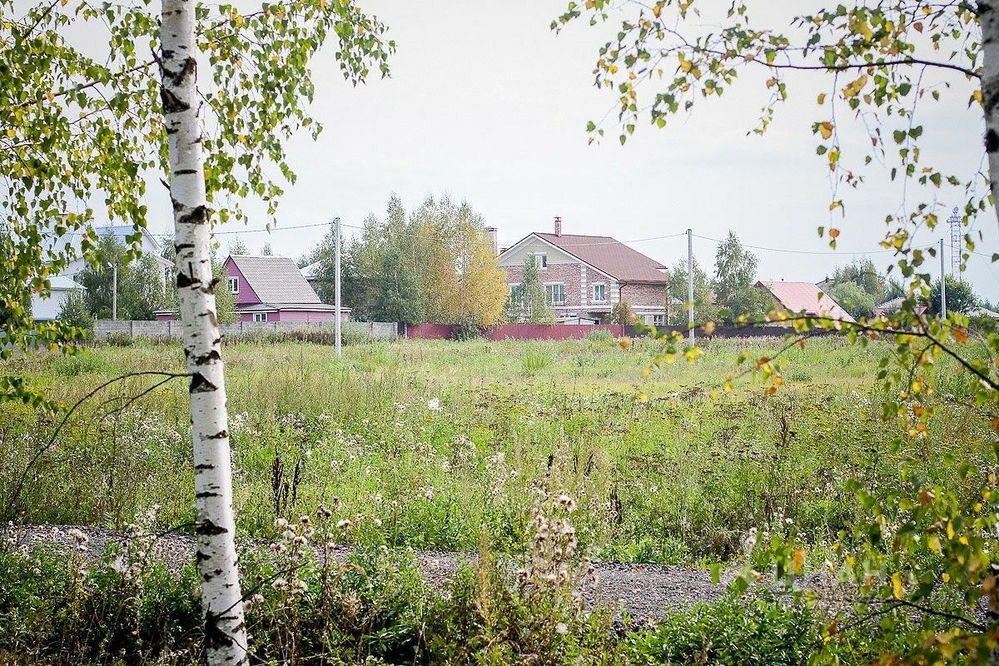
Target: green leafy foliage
point(140, 282)
point(853, 298)
point(960, 296)
point(81, 125)
point(527, 302)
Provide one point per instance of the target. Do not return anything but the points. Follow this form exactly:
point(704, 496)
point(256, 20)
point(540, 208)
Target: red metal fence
point(576, 332)
point(518, 331)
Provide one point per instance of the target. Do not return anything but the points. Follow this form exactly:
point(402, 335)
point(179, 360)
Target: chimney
point(558, 225)
point(493, 238)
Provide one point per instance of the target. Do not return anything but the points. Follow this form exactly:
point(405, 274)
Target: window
point(259, 316)
point(233, 283)
point(658, 320)
point(555, 294)
point(541, 260)
point(599, 293)
point(516, 292)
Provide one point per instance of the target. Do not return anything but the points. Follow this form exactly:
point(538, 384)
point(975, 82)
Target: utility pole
point(690, 283)
point(943, 283)
point(114, 292)
point(336, 279)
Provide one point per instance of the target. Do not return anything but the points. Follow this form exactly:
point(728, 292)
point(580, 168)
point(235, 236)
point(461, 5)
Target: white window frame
point(259, 317)
point(658, 320)
point(232, 282)
point(541, 260)
point(593, 292)
point(552, 301)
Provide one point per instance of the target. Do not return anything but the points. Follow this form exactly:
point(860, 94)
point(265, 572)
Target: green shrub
point(600, 335)
point(730, 632)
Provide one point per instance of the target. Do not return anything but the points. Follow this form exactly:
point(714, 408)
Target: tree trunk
point(988, 16)
point(225, 632)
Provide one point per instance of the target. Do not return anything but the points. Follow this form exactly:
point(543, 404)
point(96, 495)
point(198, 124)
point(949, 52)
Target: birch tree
point(82, 132)
point(81, 128)
point(225, 630)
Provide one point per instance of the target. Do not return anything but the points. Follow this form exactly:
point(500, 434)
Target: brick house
point(585, 276)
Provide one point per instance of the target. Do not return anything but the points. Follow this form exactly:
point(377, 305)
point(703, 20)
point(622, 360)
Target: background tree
point(622, 314)
point(527, 301)
point(960, 296)
point(853, 298)
point(266, 250)
point(398, 296)
point(483, 281)
point(75, 311)
point(735, 272)
point(864, 273)
point(704, 308)
point(238, 247)
point(140, 283)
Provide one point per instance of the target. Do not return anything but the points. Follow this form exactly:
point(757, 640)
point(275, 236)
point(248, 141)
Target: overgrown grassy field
point(445, 445)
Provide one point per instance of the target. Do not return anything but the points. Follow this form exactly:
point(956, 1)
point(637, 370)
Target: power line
point(795, 251)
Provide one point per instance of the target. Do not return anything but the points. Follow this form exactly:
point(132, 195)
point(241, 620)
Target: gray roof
point(270, 307)
point(311, 271)
point(275, 280)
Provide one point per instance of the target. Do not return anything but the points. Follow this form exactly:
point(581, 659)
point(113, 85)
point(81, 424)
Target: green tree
point(527, 301)
point(704, 308)
point(853, 298)
point(82, 121)
point(75, 311)
point(79, 121)
point(140, 283)
point(864, 273)
point(735, 271)
point(621, 314)
point(398, 295)
point(238, 247)
point(960, 296)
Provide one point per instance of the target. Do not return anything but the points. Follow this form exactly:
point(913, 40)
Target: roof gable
point(275, 279)
point(805, 297)
point(607, 255)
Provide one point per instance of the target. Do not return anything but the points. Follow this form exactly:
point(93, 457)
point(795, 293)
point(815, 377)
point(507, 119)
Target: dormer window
point(233, 283)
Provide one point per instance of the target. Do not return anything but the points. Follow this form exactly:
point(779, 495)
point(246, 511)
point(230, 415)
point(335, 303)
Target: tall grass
point(433, 445)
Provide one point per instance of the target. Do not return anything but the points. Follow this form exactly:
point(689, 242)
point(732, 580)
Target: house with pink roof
point(803, 298)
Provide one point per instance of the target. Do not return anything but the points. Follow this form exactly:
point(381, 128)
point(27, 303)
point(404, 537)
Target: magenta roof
point(610, 256)
point(805, 297)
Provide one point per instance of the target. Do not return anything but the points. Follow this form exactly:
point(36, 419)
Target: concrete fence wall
point(374, 330)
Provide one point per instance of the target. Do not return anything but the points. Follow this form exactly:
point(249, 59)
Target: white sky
point(487, 104)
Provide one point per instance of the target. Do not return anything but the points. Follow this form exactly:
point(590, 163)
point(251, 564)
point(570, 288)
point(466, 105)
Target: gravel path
point(643, 591)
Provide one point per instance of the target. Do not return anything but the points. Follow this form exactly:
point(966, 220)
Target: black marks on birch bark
point(197, 215)
point(172, 103)
point(208, 528)
point(200, 384)
point(221, 434)
point(212, 356)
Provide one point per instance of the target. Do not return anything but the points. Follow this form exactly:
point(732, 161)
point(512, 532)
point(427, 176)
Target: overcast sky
point(487, 104)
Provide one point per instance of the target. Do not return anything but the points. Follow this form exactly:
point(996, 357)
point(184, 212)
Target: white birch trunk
point(225, 632)
point(988, 17)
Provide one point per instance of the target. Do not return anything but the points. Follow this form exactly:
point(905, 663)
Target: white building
point(47, 309)
point(63, 284)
